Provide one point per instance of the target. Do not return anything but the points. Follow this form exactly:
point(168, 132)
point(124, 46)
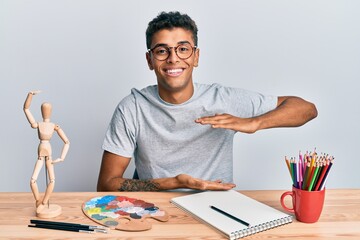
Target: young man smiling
point(173, 66)
point(180, 133)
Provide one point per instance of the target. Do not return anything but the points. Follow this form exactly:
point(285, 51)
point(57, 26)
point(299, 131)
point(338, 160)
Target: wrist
point(257, 124)
point(251, 125)
point(169, 183)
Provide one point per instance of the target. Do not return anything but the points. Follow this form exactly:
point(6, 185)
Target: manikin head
point(46, 111)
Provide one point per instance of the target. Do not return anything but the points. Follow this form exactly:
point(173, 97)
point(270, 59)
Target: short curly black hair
point(170, 20)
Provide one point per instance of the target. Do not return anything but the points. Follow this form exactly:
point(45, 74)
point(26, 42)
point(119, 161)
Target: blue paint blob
point(106, 199)
point(135, 216)
point(98, 216)
point(151, 209)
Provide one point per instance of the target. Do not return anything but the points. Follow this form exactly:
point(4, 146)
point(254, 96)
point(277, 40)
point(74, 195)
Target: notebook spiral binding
point(259, 228)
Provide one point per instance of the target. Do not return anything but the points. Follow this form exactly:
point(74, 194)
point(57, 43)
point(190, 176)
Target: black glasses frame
point(169, 50)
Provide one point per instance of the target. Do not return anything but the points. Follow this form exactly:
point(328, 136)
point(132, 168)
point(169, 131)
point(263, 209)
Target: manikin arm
point(28, 114)
point(66, 144)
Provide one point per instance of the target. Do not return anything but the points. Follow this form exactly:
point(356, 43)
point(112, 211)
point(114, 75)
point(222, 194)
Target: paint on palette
point(111, 211)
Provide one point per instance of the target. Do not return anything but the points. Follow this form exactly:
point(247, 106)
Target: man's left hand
point(227, 121)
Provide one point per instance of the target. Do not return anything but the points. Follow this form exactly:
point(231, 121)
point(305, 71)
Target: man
point(180, 133)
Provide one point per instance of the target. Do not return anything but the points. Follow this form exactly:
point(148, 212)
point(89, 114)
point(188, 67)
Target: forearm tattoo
point(136, 185)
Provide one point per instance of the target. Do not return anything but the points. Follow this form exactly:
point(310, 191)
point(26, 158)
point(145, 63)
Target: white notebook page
point(232, 202)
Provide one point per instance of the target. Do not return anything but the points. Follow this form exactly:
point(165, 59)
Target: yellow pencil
point(288, 165)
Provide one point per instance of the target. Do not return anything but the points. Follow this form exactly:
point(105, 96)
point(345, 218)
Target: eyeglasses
point(183, 51)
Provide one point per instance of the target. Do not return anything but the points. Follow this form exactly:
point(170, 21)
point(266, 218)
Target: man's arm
point(290, 112)
point(113, 167)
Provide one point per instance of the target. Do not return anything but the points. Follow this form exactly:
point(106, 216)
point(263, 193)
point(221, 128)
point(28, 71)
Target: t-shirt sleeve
point(120, 135)
point(245, 103)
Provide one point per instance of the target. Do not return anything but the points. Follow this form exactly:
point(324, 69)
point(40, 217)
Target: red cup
point(307, 205)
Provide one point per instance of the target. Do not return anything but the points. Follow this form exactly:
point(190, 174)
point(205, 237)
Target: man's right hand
point(113, 167)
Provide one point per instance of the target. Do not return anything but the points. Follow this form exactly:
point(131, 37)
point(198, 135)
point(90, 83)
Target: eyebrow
point(166, 45)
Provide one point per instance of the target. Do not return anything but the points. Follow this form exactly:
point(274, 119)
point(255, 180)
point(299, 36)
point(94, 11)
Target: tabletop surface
point(340, 217)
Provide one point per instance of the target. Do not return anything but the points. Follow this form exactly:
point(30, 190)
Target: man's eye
point(183, 49)
point(161, 51)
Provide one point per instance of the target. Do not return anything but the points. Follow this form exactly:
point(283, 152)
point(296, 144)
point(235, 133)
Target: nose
point(173, 57)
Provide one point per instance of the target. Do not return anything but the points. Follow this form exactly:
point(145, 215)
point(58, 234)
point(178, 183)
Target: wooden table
point(340, 218)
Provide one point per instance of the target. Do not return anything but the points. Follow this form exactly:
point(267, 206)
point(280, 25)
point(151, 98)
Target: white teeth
point(174, 70)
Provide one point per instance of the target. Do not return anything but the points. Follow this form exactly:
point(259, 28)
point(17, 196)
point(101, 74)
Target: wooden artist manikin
point(45, 131)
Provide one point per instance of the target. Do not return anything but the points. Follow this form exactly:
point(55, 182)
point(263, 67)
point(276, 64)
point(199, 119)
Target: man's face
point(173, 74)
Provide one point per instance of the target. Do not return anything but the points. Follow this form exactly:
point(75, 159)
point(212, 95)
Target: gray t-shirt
point(164, 139)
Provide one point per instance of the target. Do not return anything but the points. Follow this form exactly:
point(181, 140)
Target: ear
point(149, 61)
point(197, 55)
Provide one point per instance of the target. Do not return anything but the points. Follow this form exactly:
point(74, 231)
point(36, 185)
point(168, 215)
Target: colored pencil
point(325, 167)
point(301, 170)
point(314, 176)
point(292, 171)
point(295, 174)
point(322, 185)
point(320, 176)
point(311, 171)
point(288, 165)
point(321, 166)
point(310, 176)
point(305, 176)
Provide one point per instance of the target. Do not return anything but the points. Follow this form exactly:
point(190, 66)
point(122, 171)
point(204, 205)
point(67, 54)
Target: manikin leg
point(50, 187)
point(46, 210)
point(33, 184)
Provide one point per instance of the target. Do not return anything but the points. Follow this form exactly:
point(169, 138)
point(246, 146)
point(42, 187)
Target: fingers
point(57, 160)
point(227, 121)
point(220, 186)
point(212, 185)
point(218, 121)
point(216, 117)
point(35, 92)
point(200, 184)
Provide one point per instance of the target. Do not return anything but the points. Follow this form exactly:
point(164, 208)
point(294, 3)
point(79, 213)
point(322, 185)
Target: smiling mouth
point(174, 72)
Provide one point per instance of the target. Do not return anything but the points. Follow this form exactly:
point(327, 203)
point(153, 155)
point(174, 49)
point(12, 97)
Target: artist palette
point(123, 213)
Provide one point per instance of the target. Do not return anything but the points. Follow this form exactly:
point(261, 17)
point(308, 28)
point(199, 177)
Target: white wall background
point(86, 56)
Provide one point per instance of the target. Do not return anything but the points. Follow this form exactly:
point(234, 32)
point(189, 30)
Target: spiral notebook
point(231, 212)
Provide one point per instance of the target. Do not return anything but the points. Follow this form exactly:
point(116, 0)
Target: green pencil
point(313, 177)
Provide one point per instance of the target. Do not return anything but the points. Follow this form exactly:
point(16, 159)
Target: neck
point(176, 97)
